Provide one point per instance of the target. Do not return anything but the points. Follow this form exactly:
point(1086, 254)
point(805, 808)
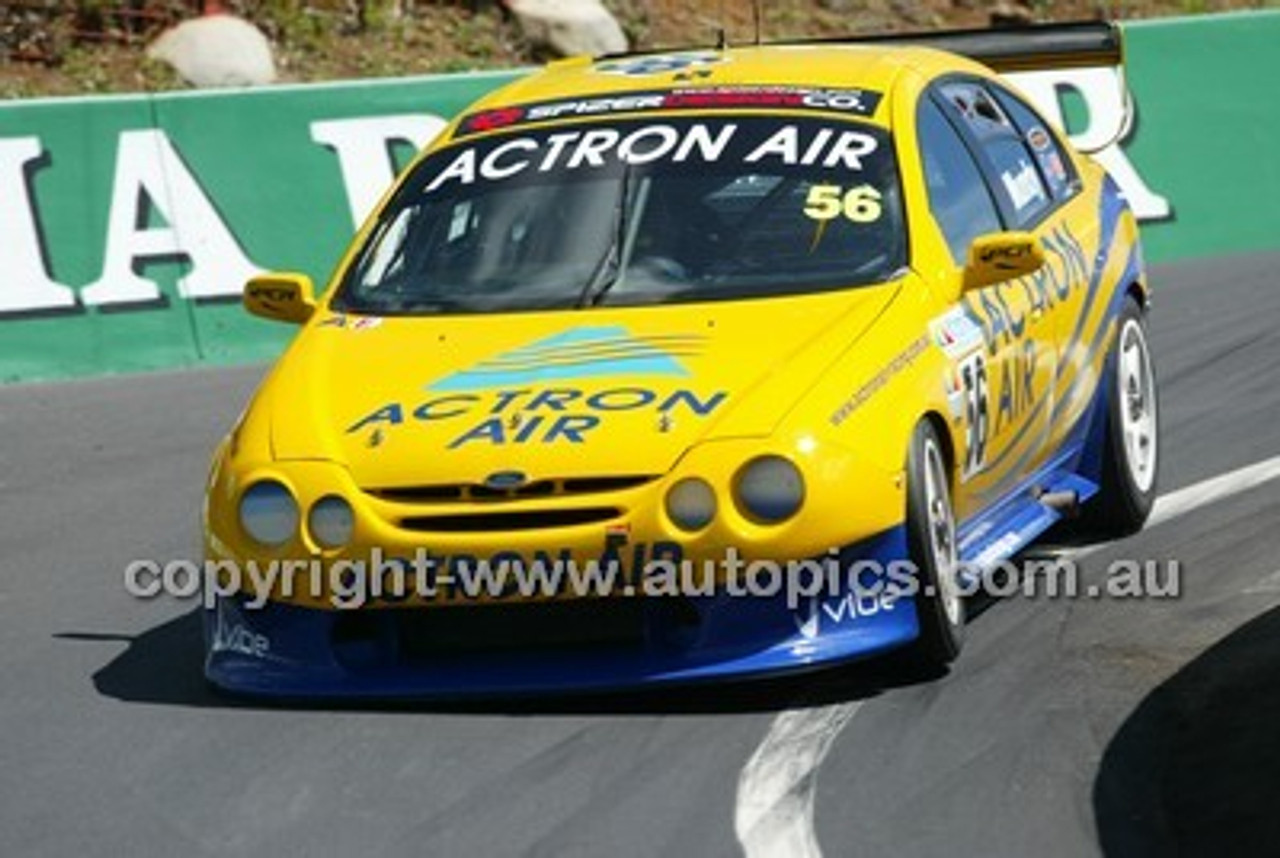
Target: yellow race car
point(662, 368)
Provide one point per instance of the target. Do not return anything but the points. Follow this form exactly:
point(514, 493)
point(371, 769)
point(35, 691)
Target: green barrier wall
point(187, 193)
point(1207, 131)
point(127, 225)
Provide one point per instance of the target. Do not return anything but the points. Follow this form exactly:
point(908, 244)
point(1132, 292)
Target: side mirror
point(282, 296)
point(1001, 256)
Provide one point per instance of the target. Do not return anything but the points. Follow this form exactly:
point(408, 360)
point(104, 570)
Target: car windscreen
point(643, 211)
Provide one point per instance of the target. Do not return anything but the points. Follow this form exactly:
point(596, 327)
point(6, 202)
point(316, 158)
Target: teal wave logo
point(588, 352)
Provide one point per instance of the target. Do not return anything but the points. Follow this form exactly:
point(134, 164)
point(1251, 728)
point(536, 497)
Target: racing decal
point(903, 360)
point(1014, 404)
point(660, 63)
point(1017, 384)
point(871, 589)
point(350, 323)
point(857, 102)
point(969, 401)
point(1066, 268)
point(973, 383)
point(1039, 139)
point(1112, 205)
point(229, 636)
point(954, 392)
point(585, 352)
point(489, 120)
point(1024, 187)
point(820, 615)
point(956, 332)
point(504, 400)
point(860, 204)
point(745, 140)
point(546, 416)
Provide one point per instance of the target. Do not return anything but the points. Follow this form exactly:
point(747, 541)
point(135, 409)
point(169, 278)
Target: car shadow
point(1195, 769)
point(163, 666)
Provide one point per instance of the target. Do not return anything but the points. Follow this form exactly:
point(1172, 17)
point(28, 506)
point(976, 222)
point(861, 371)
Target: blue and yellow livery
point(847, 303)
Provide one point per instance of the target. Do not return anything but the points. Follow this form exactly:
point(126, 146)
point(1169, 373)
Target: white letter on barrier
point(1105, 95)
point(27, 285)
point(150, 172)
point(363, 148)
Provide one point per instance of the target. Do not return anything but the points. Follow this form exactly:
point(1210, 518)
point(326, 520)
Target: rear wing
point(1084, 44)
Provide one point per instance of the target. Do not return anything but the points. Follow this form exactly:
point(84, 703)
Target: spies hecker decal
point(533, 394)
point(858, 102)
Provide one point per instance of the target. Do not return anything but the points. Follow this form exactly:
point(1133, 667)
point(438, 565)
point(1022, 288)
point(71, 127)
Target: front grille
point(486, 522)
point(490, 628)
point(464, 492)
point(370, 639)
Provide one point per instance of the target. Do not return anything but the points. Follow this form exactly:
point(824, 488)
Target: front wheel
point(931, 541)
point(1130, 455)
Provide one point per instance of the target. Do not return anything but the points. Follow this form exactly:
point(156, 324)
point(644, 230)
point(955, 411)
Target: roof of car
point(846, 66)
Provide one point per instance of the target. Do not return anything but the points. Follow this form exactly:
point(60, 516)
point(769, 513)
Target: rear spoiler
point(1034, 48)
point(1084, 44)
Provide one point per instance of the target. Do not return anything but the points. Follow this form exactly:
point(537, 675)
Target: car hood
point(456, 399)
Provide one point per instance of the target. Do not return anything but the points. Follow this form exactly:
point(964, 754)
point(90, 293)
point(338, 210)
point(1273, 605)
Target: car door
point(1004, 389)
point(1070, 233)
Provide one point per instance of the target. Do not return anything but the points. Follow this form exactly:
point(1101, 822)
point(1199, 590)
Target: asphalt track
point(1124, 727)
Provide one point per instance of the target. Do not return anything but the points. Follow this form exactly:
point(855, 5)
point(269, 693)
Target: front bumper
point(290, 651)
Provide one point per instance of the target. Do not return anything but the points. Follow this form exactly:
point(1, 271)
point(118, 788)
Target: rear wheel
point(931, 541)
point(1130, 456)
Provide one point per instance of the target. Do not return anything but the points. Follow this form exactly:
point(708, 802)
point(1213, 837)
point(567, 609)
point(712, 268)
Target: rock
point(569, 27)
point(1012, 14)
point(216, 50)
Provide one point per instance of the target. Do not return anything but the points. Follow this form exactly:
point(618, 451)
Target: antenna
point(755, 18)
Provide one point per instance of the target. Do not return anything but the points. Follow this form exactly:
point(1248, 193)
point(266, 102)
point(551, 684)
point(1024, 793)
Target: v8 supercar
point(637, 337)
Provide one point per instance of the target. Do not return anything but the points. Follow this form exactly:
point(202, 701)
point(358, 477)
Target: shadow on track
point(164, 666)
point(1195, 770)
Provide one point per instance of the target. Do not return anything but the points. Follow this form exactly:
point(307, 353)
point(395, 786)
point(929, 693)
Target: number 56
point(860, 204)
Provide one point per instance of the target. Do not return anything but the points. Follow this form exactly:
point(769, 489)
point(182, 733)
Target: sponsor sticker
point(351, 323)
point(545, 392)
point(675, 141)
point(1038, 138)
point(660, 63)
point(956, 333)
point(903, 360)
point(854, 101)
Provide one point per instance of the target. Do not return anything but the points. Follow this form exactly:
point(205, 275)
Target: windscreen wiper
point(609, 268)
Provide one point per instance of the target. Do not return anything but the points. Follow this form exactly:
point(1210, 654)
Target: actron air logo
point(563, 389)
point(579, 353)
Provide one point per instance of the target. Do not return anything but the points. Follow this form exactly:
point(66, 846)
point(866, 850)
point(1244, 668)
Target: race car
point(677, 367)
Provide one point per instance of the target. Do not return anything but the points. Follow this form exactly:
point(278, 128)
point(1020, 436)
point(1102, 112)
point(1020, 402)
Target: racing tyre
point(1130, 455)
point(931, 541)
